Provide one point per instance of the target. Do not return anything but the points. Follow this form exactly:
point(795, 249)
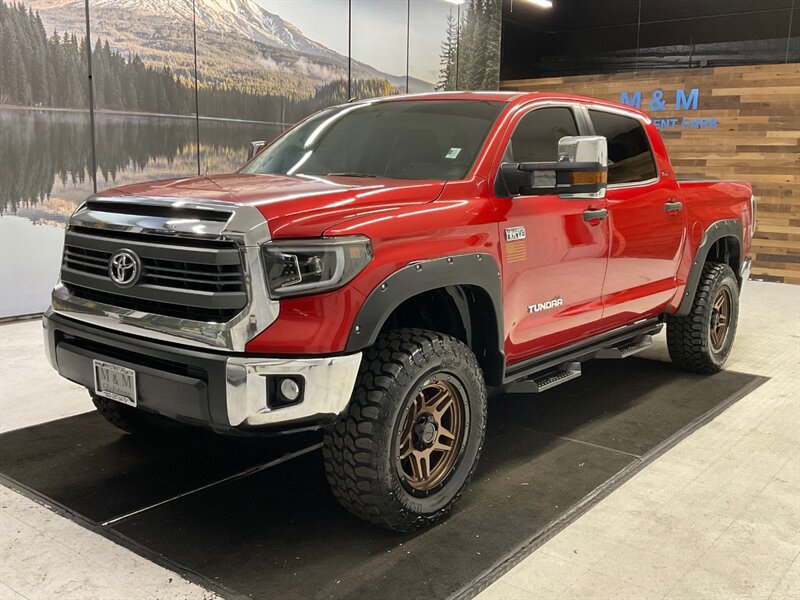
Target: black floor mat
point(279, 532)
point(93, 469)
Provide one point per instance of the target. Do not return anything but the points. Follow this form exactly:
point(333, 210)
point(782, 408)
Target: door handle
point(595, 214)
point(673, 206)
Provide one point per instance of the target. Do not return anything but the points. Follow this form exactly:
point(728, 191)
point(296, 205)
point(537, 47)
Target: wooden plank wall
point(757, 140)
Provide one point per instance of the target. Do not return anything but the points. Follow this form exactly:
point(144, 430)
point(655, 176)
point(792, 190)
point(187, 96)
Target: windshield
point(408, 139)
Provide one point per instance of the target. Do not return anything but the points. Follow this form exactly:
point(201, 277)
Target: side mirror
point(581, 171)
point(254, 148)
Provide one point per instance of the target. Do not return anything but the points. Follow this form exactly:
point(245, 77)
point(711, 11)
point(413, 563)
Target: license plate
point(115, 382)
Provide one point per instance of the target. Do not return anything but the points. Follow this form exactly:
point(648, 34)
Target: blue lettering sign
point(657, 102)
point(684, 103)
point(699, 123)
point(665, 123)
point(636, 101)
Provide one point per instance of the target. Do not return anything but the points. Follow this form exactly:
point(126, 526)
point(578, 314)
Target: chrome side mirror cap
point(591, 152)
point(254, 148)
point(581, 171)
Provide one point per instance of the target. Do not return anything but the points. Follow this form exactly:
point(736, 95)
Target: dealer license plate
point(115, 382)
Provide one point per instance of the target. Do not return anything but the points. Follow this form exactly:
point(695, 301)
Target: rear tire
point(133, 420)
point(403, 452)
point(702, 340)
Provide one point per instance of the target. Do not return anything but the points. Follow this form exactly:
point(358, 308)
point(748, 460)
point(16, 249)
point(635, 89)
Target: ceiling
point(573, 36)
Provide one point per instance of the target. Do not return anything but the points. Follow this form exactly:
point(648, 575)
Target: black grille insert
point(86, 260)
point(192, 276)
point(198, 282)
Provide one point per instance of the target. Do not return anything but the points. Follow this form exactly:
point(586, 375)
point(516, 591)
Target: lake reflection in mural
point(46, 172)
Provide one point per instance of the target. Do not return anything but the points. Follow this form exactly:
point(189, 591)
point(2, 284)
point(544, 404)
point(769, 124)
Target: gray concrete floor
point(718, 516)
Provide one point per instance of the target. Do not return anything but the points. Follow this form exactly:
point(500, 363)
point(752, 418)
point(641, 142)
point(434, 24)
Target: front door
point(554, 250)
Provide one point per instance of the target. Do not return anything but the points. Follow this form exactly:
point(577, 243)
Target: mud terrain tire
point(388, 417)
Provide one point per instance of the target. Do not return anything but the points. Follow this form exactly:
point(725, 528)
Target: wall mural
point(165, 70)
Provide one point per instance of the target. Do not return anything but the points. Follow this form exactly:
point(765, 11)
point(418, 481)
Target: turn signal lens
point(588, 177)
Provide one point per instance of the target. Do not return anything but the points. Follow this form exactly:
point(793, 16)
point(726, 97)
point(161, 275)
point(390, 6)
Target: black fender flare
point(477, 270)
point(715, 232)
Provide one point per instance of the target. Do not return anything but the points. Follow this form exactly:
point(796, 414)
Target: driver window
point(536, 137)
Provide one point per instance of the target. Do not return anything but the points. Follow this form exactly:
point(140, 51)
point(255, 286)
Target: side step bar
point(545, 381)
point(582, 351)
point(552, 369)
point(626, 350)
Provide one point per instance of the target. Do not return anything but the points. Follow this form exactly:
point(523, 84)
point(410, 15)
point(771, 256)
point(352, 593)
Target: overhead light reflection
point(329, 121)
point(300, 162)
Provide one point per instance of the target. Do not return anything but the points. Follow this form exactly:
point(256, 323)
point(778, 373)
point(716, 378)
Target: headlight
point(297, 267)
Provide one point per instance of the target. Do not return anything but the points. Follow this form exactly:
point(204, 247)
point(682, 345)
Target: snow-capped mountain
point(243, 18)
point(250, 20)
point(238, 41)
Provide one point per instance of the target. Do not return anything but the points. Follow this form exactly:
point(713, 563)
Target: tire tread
point(687, 337)
point(352, 448)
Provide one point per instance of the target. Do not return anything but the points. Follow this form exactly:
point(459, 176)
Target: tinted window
point(536, 137)
point(629, 156)
point(409, 139)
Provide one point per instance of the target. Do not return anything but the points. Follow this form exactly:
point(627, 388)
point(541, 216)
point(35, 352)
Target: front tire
point(403, 452)
point(702, 340)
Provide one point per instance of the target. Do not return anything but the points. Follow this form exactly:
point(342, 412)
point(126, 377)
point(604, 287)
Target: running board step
point(629, 350)
point(545, 381)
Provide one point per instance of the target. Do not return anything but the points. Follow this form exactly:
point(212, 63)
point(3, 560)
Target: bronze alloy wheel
point(720, 319)
point(430, 440)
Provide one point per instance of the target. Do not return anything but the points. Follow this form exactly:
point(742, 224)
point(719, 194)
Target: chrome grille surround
point(242, 224)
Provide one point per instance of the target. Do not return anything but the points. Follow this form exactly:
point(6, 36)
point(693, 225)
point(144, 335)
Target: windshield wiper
point(349, 175)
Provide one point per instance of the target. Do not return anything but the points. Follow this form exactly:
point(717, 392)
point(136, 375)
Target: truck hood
point(294, 206)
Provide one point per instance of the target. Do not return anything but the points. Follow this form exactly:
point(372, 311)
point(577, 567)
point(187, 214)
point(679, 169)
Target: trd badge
point(516, 246)
point(515, 233)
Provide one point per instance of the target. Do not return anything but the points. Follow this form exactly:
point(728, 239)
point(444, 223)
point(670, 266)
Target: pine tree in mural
point(38, 70)
point(470, 55)
point(447, 73)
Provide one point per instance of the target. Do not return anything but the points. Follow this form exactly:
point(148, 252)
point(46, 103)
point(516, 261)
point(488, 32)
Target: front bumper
point(223, 391)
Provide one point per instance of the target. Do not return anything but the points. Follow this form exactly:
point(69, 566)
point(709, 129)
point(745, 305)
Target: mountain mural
point(150, 118)
point(239, 44)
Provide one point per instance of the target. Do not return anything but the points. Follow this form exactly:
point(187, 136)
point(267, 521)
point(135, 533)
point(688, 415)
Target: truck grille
point(201, 280)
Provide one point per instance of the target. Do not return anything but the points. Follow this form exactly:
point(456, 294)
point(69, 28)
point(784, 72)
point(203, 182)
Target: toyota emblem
point(124, 268)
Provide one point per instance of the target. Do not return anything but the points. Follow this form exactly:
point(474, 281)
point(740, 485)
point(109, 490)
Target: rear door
point(646, 220)
point(553, 259)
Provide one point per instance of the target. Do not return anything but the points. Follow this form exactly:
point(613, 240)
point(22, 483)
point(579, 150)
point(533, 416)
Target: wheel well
point(727, 250)
point(465, 312)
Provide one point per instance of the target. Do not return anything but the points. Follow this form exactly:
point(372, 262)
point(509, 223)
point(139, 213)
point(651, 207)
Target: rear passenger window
point(536, 137)
point(630, 158)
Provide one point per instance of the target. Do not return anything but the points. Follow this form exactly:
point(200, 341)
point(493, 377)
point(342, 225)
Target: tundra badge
point(557, 301)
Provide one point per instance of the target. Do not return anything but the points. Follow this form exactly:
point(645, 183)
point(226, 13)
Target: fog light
point(290, 390)
point(284, 390)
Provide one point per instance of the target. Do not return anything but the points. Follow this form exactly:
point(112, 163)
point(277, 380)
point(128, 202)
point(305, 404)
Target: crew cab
point(372, 270)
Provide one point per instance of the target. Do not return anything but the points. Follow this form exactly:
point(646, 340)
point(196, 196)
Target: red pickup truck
point(375, 268)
